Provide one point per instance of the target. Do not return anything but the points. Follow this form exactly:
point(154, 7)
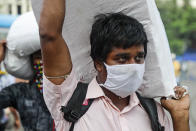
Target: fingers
point(166, 103)
point(3, 42)
point(185, 101)
point(2, 49)
point(179, 92)
point(164, 100)
point(176, 104)
point(185, 98)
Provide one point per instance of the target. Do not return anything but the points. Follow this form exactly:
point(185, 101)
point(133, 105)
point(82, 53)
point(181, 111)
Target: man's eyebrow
point(141, 53)
point(122, 55)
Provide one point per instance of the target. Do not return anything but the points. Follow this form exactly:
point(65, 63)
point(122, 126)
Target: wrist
point(180, 115)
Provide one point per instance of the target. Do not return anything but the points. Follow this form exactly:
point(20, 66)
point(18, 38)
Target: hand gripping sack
point(22, 41)
point(159, 78)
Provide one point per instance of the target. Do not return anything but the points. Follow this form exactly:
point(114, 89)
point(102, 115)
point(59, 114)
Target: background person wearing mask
point(27, 98)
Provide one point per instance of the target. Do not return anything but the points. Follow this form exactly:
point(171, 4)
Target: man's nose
point(132, 61)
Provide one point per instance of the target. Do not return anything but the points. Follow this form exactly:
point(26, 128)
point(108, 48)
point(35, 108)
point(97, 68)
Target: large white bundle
point(159, 78)
point(22, 41)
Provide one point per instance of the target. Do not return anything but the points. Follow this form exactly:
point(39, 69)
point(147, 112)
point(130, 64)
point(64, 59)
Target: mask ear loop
point(106, 71)
point(106, 65)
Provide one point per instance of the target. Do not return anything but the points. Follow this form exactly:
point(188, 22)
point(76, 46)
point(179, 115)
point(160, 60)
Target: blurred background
point(179, 18)
point(9, 11)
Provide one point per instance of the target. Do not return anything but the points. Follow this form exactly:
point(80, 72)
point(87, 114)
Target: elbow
point(48, 32)
point(47, 35)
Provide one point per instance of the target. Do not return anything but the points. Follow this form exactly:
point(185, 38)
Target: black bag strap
point(150, 106)
point(74, 109)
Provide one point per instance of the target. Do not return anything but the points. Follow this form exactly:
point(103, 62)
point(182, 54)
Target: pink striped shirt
point(103, 115)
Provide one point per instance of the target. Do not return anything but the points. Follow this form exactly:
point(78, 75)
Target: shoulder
point(17, 87)
point(164, 117)
point(161, 111)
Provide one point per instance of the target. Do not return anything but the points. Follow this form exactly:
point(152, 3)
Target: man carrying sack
point(27, 98)
point(110, 101)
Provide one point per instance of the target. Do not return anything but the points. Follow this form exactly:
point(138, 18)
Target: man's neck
point(119, 102)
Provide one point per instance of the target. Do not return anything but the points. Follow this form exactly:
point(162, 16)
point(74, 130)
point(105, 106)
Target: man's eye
point(139, 58)
point(121, 60)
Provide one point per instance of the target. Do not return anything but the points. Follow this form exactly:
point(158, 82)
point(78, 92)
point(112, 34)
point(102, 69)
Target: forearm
point(56, 56)
point(181, 121)
point(52, 17)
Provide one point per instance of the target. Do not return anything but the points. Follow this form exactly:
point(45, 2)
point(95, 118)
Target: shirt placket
point(123, 122)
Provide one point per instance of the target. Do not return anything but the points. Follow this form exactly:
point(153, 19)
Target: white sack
point(22, 41)
point(19, 67)
point(159, 78)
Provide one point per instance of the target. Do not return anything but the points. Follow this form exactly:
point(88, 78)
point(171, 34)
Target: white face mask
point(123, 80)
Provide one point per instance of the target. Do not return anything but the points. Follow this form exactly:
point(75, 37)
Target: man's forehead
point(130, 50)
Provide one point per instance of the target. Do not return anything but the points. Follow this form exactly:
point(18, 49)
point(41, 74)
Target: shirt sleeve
point(56, 96)
point(8, 97)
point(164, 118)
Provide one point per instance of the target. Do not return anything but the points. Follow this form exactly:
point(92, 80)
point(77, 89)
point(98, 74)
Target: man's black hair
point(115, 30)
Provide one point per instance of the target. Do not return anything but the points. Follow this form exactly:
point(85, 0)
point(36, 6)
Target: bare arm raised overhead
point(55, 53)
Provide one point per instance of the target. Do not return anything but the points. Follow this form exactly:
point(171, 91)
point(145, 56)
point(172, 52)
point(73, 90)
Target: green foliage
point(180, 24)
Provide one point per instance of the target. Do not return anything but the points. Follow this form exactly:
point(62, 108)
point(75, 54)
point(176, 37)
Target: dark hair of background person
point(35, 55)
point(115, 30)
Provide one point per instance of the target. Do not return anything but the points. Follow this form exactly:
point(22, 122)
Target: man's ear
point(99, 66)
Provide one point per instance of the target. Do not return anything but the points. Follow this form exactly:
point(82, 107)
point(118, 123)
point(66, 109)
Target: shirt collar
point(134, 100)
point(94, 90)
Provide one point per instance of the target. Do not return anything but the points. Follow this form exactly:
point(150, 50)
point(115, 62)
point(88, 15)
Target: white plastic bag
point(22, 41)
point(159, 79)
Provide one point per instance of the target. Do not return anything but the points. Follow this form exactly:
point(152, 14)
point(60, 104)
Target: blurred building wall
point(15, 7)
